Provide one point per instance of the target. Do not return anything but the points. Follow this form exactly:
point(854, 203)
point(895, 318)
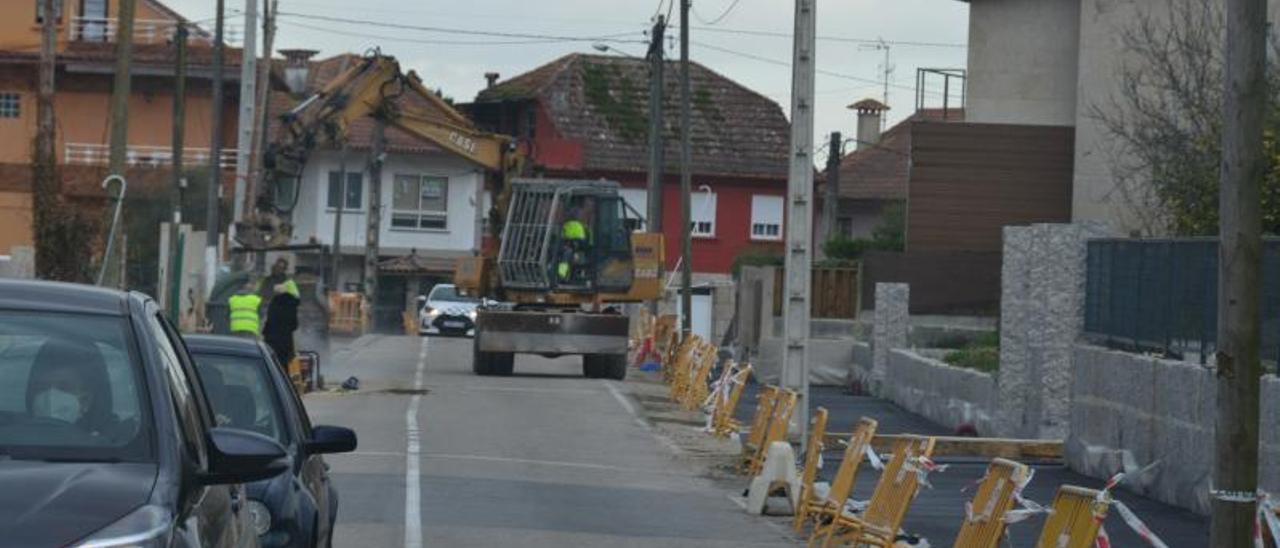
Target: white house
point(432, 201)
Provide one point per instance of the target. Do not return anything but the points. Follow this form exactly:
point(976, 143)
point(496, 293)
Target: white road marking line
point(412, 474)
point(626, 405)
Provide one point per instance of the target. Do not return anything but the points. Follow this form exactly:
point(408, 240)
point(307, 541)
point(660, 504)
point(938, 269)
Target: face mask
point(56, 404)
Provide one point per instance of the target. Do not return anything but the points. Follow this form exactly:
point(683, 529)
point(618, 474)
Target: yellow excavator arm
point(369, 88)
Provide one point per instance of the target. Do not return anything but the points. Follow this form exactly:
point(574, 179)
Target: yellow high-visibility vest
point(244, 313)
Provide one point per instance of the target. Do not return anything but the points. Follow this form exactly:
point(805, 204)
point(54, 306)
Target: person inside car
point(69, 383)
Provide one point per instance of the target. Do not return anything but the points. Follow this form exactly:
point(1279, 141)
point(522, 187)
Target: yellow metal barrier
point(348, 314)
point(824, 509)
point(784, 404)
point(898, 484)
point(984, 522)
point(1077, 514)
point(725, 396)
point(812, 456)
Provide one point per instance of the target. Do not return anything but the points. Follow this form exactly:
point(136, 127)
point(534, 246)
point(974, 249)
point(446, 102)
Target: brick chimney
point(297, 68)
point(490, 79)
point(869, 113)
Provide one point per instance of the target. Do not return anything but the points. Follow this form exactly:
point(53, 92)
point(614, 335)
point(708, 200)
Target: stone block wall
point(950, 396)
point(1140, 409)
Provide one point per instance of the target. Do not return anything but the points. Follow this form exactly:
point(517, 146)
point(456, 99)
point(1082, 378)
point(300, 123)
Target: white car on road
point(446, 312)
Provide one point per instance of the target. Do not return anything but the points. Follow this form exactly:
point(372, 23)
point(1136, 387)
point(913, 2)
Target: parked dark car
point(106, 438)
point(249, 389)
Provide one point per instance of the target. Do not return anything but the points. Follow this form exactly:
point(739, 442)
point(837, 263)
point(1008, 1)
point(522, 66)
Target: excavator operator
point(575, 239)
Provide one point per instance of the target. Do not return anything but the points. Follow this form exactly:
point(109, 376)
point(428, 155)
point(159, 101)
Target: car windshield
point(241, 393)
point(71, 389)
point(449, 294)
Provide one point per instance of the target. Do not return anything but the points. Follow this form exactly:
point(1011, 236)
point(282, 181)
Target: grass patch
point(980, 354)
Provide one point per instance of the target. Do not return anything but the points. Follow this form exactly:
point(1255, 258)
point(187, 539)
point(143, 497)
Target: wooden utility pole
point(1239, 368)
point(799, 255)
point(45, 181)
point(656, 123)
point(686, 182)
point(831, 198)
point(371, 241)
point(120, 89)
point(119, 149)
point(215, 153)
point(263, 122)
point(173, 292)
point(335, 277)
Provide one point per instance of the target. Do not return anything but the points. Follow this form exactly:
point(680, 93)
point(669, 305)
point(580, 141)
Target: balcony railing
point(145, 156)
point(145, 31)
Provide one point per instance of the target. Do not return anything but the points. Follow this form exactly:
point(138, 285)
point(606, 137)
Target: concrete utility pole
point(375, 211)
point(215, 150)
point(263, 120)
point(686, 182)
point(46, 186)
point(656, 123)
point(1239, 369)
point(175, 188)
point(831, 197)
point(120, 117)
point(248, 109)
point(799, 255)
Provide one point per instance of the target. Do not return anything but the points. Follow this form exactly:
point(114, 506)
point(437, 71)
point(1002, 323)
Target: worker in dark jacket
point(282, 321)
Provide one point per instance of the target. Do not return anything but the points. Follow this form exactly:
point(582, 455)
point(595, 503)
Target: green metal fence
point(1162, 296)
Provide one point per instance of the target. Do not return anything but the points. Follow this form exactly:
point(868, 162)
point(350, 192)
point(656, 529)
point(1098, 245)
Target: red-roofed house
point(585, 116)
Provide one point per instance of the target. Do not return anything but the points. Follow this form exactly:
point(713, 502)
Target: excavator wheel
point(604, 366)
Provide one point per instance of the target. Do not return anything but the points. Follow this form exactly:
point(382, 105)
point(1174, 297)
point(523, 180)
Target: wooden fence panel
point(834, 292)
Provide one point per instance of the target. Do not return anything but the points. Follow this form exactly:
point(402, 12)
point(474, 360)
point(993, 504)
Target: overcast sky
point(456, 62)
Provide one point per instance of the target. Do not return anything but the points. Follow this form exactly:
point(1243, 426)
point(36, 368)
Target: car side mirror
point(240, 456)
point(422, 299)
point(331, 439)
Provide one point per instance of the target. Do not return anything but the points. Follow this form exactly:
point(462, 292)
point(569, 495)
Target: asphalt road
point(544, 458)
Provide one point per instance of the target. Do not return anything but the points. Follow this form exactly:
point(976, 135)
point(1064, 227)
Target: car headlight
point(260, 517)
point(146, 527)
point(432, 312)
point(472, 315)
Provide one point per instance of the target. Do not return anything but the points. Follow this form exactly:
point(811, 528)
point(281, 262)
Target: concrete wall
point(1022, 61)
point(950, 396)
point(15, 220)
point(1157, 409)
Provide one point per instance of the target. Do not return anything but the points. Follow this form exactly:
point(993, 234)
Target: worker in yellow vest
point(244, 312)
point(575, 240)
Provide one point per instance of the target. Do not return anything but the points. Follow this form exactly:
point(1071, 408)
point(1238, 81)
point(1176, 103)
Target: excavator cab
point(566, 236)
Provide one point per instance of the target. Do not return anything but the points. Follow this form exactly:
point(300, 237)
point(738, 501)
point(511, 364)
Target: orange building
point(84, 78)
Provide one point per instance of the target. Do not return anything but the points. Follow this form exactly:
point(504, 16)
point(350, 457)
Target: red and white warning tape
point(1131, 519)
point(1266, 517)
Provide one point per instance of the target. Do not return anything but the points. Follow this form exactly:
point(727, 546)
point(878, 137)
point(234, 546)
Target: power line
point(420, 40)
point(464, 32)
point(845, 39)
point(786, 64)
point(718, 19)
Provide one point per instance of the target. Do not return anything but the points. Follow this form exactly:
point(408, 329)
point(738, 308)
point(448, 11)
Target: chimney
point(869, 113)
point(297, 68)
point(490, 79)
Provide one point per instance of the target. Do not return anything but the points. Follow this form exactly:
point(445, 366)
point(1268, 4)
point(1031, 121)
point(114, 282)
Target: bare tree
point(1166, 121)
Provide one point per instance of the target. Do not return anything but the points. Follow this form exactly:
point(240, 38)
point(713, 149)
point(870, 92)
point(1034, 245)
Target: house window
point(766, 217)
point(702, 213)
point(844, 226)
point(57, 10)
point(10, 105)
point(638, 200)
point(420, 203)
point(355, 191)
